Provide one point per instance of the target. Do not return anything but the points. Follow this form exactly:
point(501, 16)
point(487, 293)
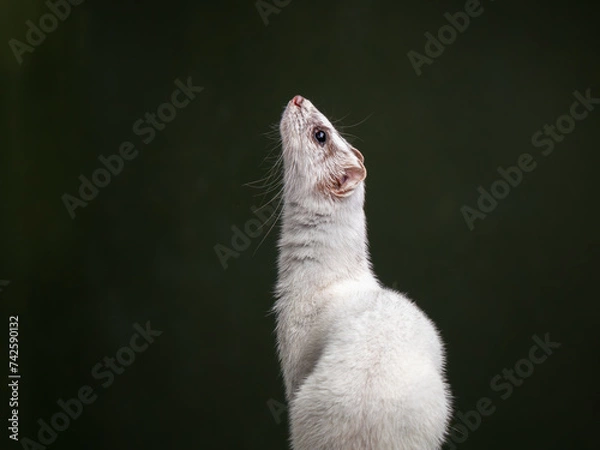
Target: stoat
point(363, 366)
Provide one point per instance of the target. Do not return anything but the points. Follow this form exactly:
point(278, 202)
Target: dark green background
point(143, 249)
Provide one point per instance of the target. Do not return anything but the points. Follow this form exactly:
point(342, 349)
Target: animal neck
point(320, 246)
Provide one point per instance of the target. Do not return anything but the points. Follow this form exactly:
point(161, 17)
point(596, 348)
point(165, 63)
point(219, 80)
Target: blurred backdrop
point(130, 252)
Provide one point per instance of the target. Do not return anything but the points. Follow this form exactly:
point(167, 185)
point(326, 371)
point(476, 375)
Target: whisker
point(272, 182)
point(274, 198)
point(254, 184)
point(348, 135)
point(358, 123)
point(273, 224)
point(272, 178)
point(270, 189)
point(336, 121)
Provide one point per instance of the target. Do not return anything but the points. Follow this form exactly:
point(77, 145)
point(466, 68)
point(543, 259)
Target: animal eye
point(320, 136)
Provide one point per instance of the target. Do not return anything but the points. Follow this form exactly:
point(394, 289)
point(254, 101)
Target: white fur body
point(363, 366)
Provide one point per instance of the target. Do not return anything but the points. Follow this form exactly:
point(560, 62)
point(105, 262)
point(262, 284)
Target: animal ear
point(358, 154)
point(349, 179)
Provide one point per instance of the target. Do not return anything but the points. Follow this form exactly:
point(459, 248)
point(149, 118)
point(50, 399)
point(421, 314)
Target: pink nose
point(297, 100)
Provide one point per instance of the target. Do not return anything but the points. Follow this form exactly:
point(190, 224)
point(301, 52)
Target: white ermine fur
point(363, 366)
